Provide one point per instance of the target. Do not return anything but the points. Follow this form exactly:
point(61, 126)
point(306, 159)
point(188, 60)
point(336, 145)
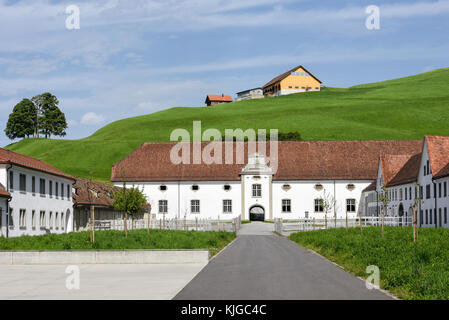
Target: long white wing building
point(35, 197)
point(255, 186)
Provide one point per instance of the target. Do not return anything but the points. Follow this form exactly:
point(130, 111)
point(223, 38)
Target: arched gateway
point(257, 213)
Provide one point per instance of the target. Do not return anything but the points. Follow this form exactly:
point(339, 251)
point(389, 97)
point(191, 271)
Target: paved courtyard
point(101, 281)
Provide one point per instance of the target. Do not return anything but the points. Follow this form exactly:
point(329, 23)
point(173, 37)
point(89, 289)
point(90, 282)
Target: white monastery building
point(418, 179)
point(35, 198)
point(305, 172)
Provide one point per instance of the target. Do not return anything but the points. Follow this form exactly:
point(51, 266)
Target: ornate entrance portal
point(257, 213)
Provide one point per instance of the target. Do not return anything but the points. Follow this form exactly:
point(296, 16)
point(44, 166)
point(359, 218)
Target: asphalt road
point(260, 265)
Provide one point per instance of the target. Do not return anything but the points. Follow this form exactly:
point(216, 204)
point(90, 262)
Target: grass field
point(407, 270)
point(115, 240)
point(406, 108)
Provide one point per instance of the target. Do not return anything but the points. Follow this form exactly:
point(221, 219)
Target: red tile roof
point(438, 148)
point(98, 194)
point(93, 193)
point(14, 158)
point(286, 74)
point(399, 169)
point(3, 192)
point(219, 98)
point(298, 160)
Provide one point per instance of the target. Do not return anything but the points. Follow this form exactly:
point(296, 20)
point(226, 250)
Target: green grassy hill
point(406, 108)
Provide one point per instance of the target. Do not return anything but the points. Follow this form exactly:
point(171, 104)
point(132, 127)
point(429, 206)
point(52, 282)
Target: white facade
point(434, 206)
point(291, 199)
point(32, 211)
point(256, 93)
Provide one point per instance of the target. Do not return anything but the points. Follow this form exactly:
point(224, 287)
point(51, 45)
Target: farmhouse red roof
point(438, 148)
point(11, 157)
point(219, 97)
point(298, 160)
point(93, 193)
point(399, 169)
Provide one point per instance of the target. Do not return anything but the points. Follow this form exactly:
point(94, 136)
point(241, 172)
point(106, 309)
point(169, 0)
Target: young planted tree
point(416, 205)
point(130, 201)
point(384, 198)
point(327, 202)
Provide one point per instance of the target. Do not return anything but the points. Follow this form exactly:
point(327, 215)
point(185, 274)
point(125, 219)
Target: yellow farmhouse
point(295, 80)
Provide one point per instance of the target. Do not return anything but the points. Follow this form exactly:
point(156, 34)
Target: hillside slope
point(406, 108)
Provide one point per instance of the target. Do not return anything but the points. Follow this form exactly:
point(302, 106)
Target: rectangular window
point(445, 188)
point(445, 215)
point(428, 168)
point(319, 205)
point(163, 206)
point(33, 184)
point(57, 189)
point(56, 221)
point(62, 221)
point(11, 218)
point(350, 205)
point(11, 180)
point(405, 193)
point(62, 190)
point(33, 219)
point(227, 206)
point(286, 205)
point(50, 188)
point(50, 220)
point(439, 190)
point(428, 191)
point(68, 192)
point(42, 186)
point(400, 194)
point(22, 219)
point(42, 223)
point(195, 206)
point(257, 190)
point(22, 182)
point(427, 216)
point(430, 214)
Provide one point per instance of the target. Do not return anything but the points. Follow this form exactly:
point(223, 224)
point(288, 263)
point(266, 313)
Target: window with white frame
point(286, 205)
point(11, 180)
point(350, 205)
point(319, 205)
point(68, 192)
point(50, 220)
point(56, 220)
point(195, 206)
point(33, 185)
point(22, 182)
point(33, 219)
point(257, 190)
point(42, 223)
point(42, 186)
point(22, 219)
point(163, 206)
point(11, 218)
point(50, 188)
point(57, 189)
point(62, 221)
point(227, 206)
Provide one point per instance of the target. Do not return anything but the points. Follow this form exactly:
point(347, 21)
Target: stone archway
point(257, 213)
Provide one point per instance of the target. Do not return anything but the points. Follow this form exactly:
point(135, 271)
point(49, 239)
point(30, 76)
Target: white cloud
point(91, 118)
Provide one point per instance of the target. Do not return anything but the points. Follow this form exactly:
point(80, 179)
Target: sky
point(135, 57)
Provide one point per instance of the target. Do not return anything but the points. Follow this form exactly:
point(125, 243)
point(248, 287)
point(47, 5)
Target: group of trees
point(40, 115)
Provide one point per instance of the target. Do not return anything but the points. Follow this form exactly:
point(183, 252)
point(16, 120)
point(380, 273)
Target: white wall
point(179, 194)
point(30, 201)
point(211, 195)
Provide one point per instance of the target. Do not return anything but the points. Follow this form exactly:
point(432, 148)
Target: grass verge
point(408, 270)
point(115, 240)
